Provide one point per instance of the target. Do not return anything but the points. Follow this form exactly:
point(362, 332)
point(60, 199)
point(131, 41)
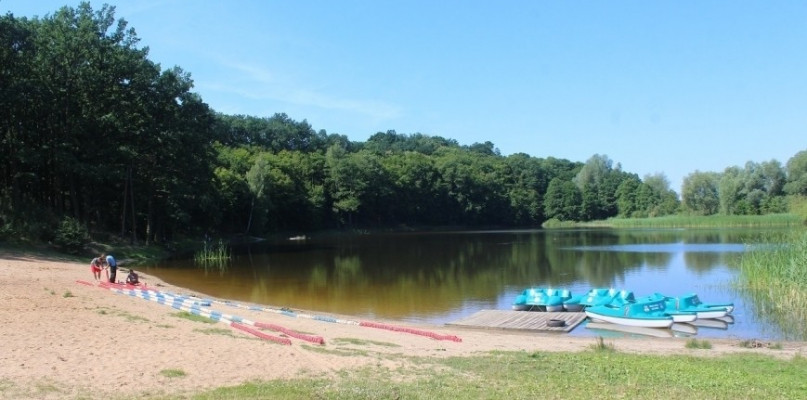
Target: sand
point(63, 339)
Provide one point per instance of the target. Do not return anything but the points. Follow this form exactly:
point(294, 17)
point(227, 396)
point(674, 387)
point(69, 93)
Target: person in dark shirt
point(132, 278)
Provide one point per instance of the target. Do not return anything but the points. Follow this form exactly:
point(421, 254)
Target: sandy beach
point(64, 339)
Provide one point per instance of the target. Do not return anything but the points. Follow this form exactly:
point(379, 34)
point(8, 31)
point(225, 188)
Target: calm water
point(442, 277)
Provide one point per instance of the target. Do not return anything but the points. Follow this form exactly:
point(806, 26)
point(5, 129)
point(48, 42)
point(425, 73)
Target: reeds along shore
point(213, 256)
point(774, 275)
point(683, 221)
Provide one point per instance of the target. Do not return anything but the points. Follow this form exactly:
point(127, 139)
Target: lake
point(439, 277)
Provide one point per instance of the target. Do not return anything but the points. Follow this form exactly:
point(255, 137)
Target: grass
point(129, 317)
point(775, 278)
point(213, 256)
point(601, 346)
point(547, 375)
point(172, 373)
point(335, 351)
point(698, 344)
point(361, 342)
point(220, 331)
point(193, 317)
point(686, 221)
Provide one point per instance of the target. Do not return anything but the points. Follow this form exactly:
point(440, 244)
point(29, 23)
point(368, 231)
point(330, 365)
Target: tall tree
point(699, 193)
point(797, 174)
point(562, 201)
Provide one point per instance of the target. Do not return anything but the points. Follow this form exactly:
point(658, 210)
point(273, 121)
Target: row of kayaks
point(622, 307)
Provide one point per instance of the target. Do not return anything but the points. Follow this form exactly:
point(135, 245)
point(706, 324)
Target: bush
point(71, 236)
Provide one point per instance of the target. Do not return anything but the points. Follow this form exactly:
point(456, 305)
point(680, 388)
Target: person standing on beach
point(113, 267)
point(95, 266)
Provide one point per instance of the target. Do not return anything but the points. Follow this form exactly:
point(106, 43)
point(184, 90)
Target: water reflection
point(441, 277)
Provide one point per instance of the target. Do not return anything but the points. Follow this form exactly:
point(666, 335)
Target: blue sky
point(659, 87)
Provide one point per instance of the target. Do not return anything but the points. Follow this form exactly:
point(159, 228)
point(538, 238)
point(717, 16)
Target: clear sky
point(658, 86)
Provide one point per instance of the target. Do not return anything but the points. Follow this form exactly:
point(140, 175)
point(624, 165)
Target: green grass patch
point(522, 375)
point(698, 344)
point(68, 294)
point(129, 317)
point(173, 373)
point(47, 388)
point(193, 317)
point(335, 351)
point(219, 331)
point(361, 342)
point(133, 318)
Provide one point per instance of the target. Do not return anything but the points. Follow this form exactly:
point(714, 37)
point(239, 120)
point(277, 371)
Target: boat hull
point(683, 317)
point(573, 307)
point(541, 299)
point(637, 321)
point(632, 330)
point(710, 323)
point(712, 314)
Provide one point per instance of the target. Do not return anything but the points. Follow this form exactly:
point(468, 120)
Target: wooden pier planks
point(521, 320)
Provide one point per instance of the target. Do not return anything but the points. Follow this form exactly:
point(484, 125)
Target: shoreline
point(67, 340)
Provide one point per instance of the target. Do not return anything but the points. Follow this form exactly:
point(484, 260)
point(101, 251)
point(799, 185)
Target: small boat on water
point(691, 303)
point(590, 298)
point(678, 316)
point(596, 297)
point(541, 299)
point(644, 314)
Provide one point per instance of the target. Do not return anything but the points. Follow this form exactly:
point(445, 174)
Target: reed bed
point(774, 276)
point(213, 256)
point(687, 221)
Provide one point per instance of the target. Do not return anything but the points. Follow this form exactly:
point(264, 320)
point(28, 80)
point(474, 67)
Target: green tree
point(627, 198)
point(526, 182)
point(797, 174)
point(699, 193)
point(562, 200)
point(473, 188)
point(598, 181)
point(729, 187)
point(358, 186)
point(415, 177)
point(658, 199)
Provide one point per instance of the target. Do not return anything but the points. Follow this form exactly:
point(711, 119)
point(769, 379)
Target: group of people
point(107, 262)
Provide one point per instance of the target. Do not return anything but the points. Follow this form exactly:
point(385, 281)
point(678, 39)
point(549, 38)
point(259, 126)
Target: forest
point(96, 135)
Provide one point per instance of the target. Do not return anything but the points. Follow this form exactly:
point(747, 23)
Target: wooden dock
point(521, 320)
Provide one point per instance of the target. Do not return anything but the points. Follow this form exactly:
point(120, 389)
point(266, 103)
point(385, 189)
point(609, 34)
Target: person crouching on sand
point(132, 278)
point(95, 266)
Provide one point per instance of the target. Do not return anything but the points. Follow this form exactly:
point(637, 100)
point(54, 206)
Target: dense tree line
point(754, 189)
point(93, 131)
